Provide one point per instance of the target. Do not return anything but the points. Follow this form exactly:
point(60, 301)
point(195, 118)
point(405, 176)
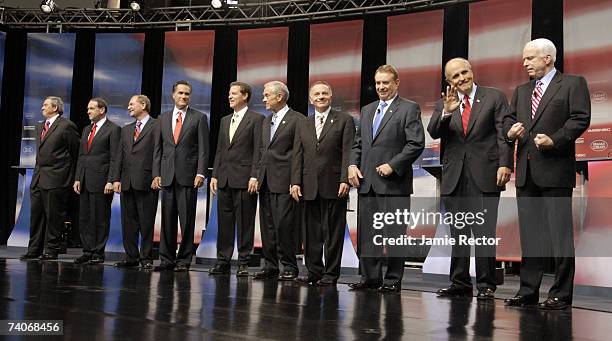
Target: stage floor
point(100, 302)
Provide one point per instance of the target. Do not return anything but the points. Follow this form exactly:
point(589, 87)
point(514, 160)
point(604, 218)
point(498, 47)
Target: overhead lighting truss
point(261, 13)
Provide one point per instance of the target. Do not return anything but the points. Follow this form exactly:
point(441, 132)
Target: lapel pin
point(283, 122)
point(332, 121)
point(477, 101)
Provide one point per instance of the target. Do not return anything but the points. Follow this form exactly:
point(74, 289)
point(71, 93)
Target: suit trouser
point(467, 197)
point(236, 209)
point(94, 220)
point(278, 228)
point(546, 226)
point(47, 216)
point(371, 257)
point(138, 210)
point(178, 203)
point(325, 226)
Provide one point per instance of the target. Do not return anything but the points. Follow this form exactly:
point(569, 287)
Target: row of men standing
point(287, 157)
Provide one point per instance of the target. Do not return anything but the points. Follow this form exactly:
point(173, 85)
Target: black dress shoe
point(48, 256)
point(243, 271)
point(521, 301)
point(126, 264)
point(164, 267)
point(266, 274)
point(82, 259)
point(363, 286)
point(181, 268)
point(324, 282)
point(553, 303)
point(485, 294)
point(287, 275)
point(96, 260)
point(454, 291)
point(147, 266)
point(308, 280)
point(391, 287)
point(29, 256)
point(219, 269)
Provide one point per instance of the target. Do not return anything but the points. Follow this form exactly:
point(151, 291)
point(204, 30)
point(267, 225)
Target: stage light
point(216, 4)
point(232, 3)
point(135, 6)
point(47, 6)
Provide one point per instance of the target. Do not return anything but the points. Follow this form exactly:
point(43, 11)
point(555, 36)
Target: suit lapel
point(390, 112)
point(311, 127)
point(328, 123)
point(167, 119)
point(281, 125)
point(477, 103)
point(50, 131)
point(187, 121)
point(366, 132)
point(456, 121)
point(551, 91)
point(246, 120)
point(144, 130)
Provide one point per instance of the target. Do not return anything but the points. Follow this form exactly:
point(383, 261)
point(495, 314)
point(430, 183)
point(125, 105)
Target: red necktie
point(137, 130)
point(535, 98)
point(465, 116)
point(177, 127)
point(91, 136)
point(45, 129)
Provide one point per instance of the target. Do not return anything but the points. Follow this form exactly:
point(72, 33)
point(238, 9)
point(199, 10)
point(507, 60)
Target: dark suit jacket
point(320, 165)
point(182, 160)
point(399, 142)
point(100, 164)
point(137, 156)
point(236, 162)
point(275, 162)
point(57, 155)
point(564, 114)
point(483, 150)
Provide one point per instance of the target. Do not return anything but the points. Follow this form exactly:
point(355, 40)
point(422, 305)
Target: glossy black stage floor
point(100, 302)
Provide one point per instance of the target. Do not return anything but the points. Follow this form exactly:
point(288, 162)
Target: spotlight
point(135, 6)
point(47, 6)
point(216, 4)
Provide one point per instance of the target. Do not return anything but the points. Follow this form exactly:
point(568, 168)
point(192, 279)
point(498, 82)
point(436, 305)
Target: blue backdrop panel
point(49, 63)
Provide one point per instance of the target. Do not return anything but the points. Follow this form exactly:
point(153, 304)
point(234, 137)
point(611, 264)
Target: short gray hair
point(545, 46)
point(56, 102)
point(278, 88)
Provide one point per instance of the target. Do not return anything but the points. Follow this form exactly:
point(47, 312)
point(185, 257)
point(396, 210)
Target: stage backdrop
point(335, 57)
point(189, 56)
point(117, 76)
point(415, 49)
point(49, 64)
point(262, 57)
point(588, 52)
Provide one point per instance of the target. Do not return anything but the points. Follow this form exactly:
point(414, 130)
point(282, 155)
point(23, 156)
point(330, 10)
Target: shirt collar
point(52, 119)
point(144, 121)
point(100, 122)
point(240, 113)
point(388, 101)
point(176, 110)
point(281, 113)
point(325, 113)
point(471, 95)
point(548, 77)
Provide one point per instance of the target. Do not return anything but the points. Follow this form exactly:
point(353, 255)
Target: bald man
point(477, 162)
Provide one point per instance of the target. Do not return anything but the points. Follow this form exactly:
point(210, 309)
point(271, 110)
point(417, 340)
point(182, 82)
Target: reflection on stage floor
point(98, 302)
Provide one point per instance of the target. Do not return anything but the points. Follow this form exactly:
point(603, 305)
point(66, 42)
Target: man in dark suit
point(235, 178)
point(96, 172)
point(57, 140)
point(180, 162)
point(276, 207)
point(320, 163)
point(138, 199)
point(476, 164)
point(547, 115)
point(389, 139)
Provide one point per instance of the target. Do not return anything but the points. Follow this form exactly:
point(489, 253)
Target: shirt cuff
point(253, 179)
point(201, 176)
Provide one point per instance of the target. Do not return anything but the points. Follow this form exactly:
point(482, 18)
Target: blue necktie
point(273, 127)
point(378, 116)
